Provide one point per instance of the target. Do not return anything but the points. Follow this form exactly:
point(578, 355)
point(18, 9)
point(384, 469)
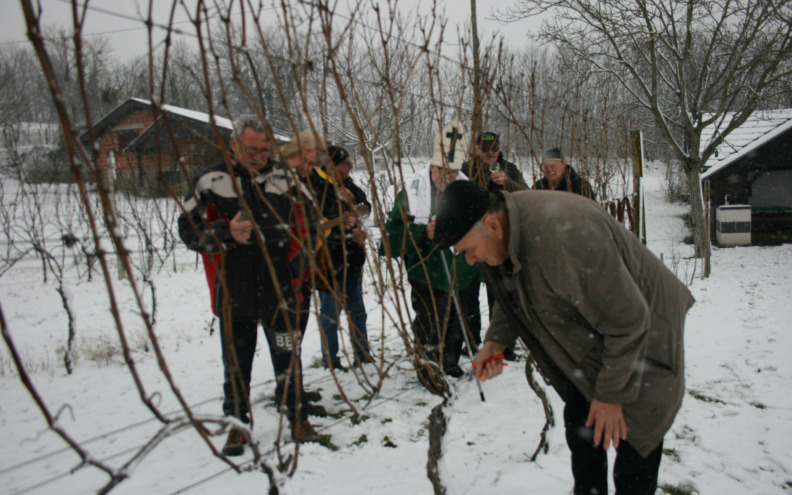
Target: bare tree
point(689, 63)
point(12, 99)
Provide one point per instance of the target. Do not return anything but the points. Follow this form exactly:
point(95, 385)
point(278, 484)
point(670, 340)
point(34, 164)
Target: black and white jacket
point(254, 277)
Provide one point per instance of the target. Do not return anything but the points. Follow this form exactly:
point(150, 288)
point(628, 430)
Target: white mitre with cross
point(450, 146)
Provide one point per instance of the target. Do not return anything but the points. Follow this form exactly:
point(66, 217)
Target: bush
point(36, 164)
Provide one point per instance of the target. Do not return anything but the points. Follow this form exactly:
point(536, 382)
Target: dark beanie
point(337, 153)
point(462, 204)
point(553, 154)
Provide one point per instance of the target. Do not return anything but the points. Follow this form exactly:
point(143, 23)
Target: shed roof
point(191, 114)
point(192, 123)
point(222, 122)
point(115, 116)
point(762, 126)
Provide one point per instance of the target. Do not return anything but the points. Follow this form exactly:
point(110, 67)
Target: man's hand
point(240, 229)
point(349, 221)
point(486, 367)
point(347, 195)
point(430, 230)
point(608, 421)
point(499, 177)
point(359, 236)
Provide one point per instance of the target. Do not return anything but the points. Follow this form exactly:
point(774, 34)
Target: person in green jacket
point(433, 273)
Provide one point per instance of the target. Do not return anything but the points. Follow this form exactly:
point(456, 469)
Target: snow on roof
point(192, 114)
point(761, 127)
point(203, 117)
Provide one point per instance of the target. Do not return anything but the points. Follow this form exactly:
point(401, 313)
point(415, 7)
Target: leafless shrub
point(35, 361)
point(105, 350)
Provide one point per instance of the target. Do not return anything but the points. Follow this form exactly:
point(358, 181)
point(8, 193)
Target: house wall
point(772, 189)
point(140, 171)
point(196, 154)
point(762, 179)
point(135, 121)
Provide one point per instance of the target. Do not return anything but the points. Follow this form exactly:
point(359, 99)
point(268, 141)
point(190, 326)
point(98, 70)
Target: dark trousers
point(236, 374)
point(430, 306)
point(305, 307)
point(469, 299)
point(632, 474)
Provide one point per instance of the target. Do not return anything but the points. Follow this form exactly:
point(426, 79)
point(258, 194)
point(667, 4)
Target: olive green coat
point(596, 308)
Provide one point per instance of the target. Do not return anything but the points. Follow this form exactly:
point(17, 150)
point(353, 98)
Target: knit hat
point(462, 204)
point(450, 146)
point(553, 154)
point(337, 153)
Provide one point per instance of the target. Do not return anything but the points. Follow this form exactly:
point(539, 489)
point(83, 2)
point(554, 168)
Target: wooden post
point(638, 219)
point(111, 190)
point(475, 125)
point(708, 225)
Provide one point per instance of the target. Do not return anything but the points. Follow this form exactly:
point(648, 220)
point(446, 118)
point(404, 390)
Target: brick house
point(152, 152)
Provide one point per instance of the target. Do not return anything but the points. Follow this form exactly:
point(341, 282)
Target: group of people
point(601, 317)
point(257, 223)
point(437, 277)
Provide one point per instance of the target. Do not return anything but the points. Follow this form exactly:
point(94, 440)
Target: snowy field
point(731, 437)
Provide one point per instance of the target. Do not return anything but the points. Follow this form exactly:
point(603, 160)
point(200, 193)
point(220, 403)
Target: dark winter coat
point(245, 274)
point(478, 171)
point(572, 182)
point(422, 259)
point(348, 256)
point(596, 308)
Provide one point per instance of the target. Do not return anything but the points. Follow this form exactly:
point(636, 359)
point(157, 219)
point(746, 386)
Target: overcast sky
point(120, 20)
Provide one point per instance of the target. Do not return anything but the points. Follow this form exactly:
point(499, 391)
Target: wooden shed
point(753, 167)
point(148, 152)
point(135, 145)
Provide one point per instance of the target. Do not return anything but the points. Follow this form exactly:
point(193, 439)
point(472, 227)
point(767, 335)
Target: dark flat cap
point(462, 204)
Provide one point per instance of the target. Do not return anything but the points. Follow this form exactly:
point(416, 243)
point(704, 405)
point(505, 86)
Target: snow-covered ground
point(729, 437)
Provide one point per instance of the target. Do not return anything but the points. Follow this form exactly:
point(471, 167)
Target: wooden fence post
point(638, 220)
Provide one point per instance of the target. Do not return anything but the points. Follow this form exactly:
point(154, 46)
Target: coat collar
point(513, 213)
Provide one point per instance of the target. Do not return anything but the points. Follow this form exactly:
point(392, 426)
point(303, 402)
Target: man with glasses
point(234, 216)
point(433, 274)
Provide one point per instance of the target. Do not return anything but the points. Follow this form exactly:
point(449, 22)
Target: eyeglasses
point(493, 148)
point(251, 151)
